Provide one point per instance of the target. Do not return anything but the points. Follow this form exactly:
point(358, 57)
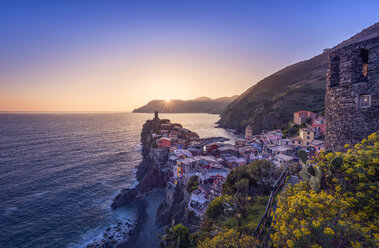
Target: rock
point(108, 229)
point(125, 197)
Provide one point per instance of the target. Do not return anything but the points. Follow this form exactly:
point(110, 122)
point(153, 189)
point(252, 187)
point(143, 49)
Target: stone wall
point(349, 77)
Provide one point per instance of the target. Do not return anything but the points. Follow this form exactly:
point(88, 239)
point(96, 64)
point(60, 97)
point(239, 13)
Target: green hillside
point(271, 102)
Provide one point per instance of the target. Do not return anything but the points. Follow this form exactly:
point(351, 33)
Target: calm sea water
point(60, 172)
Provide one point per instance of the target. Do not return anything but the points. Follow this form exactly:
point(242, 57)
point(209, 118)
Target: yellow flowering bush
point(344, 213)
point(226, 239)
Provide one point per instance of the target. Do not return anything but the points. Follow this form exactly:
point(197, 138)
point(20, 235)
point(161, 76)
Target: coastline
point(146, 231)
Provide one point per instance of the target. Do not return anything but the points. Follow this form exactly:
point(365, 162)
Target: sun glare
point(168, 100)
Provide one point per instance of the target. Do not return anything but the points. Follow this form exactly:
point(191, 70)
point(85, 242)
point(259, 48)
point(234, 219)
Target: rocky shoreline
point(115, 234)
point(141, 218)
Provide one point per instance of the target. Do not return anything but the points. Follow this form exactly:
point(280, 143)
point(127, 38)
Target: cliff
point(198, 105)
point(151, 172)
point(271, 102)
point(173, 208)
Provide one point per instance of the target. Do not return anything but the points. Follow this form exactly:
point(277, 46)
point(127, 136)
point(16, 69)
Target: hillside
point(197, 105)
point(271, 102)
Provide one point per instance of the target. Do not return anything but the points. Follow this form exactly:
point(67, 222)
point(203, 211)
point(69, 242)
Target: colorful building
point(319, 126)
point(307, 136)
point(302, 116)
point(163, 143)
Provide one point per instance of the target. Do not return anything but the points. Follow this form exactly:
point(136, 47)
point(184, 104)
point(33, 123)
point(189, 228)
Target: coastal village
point(194, 170)
point(204, 164)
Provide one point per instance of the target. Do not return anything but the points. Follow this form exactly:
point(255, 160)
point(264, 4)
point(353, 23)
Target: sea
point(59, 173)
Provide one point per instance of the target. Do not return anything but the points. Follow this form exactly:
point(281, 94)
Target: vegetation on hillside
point(231, 218)
point(244, 179)
point(270, 103)
point(176, 237)
point(342, 212)
point(192, 184)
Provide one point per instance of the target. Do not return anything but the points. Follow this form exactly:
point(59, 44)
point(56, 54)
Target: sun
point(168, 100)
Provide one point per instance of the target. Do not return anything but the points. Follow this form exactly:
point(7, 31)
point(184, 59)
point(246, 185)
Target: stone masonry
point(352, 94)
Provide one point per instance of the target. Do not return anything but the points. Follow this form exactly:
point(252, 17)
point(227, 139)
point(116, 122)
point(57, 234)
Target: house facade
point(248, 133)
point(307, 136)
point(301, 117)
point(163, 143)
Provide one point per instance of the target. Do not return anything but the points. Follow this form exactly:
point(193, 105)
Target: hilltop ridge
point(198, 105)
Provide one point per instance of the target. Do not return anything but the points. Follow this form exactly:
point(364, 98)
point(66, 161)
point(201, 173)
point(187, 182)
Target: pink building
point(302, 116)
point(163, 143)
point(319, 126)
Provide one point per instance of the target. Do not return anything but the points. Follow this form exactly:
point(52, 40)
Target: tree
point(181, 236)
point(239, 180)
point(192, 184)
point(262, 171)
point(176, 237)
point(242, 186)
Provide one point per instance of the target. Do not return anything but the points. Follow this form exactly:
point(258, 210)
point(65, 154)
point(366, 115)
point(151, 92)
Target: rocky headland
point(151, 171)
point(155, 205)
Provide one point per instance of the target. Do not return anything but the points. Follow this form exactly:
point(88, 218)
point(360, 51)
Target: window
point(363, 55)
point(307, 143)
point(308, 132)
point(334, 72)
point(365, 101)
point(307, 137)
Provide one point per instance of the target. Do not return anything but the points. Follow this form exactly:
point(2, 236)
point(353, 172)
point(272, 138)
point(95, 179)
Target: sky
point(110, 55)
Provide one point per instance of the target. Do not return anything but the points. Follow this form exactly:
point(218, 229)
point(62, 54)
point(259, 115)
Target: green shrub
point(192, 184)
point(218, 207)
point(181, 236)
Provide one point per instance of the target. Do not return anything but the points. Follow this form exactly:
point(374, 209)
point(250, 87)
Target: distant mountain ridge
point(198, 105)
point(271, 102)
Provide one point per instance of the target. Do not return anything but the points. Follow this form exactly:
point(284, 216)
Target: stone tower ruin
point(352, 94)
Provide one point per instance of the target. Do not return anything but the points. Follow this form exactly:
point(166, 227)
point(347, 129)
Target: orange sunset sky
point(118, 55)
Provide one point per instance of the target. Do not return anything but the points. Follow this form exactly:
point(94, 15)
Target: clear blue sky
point(116, 55)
